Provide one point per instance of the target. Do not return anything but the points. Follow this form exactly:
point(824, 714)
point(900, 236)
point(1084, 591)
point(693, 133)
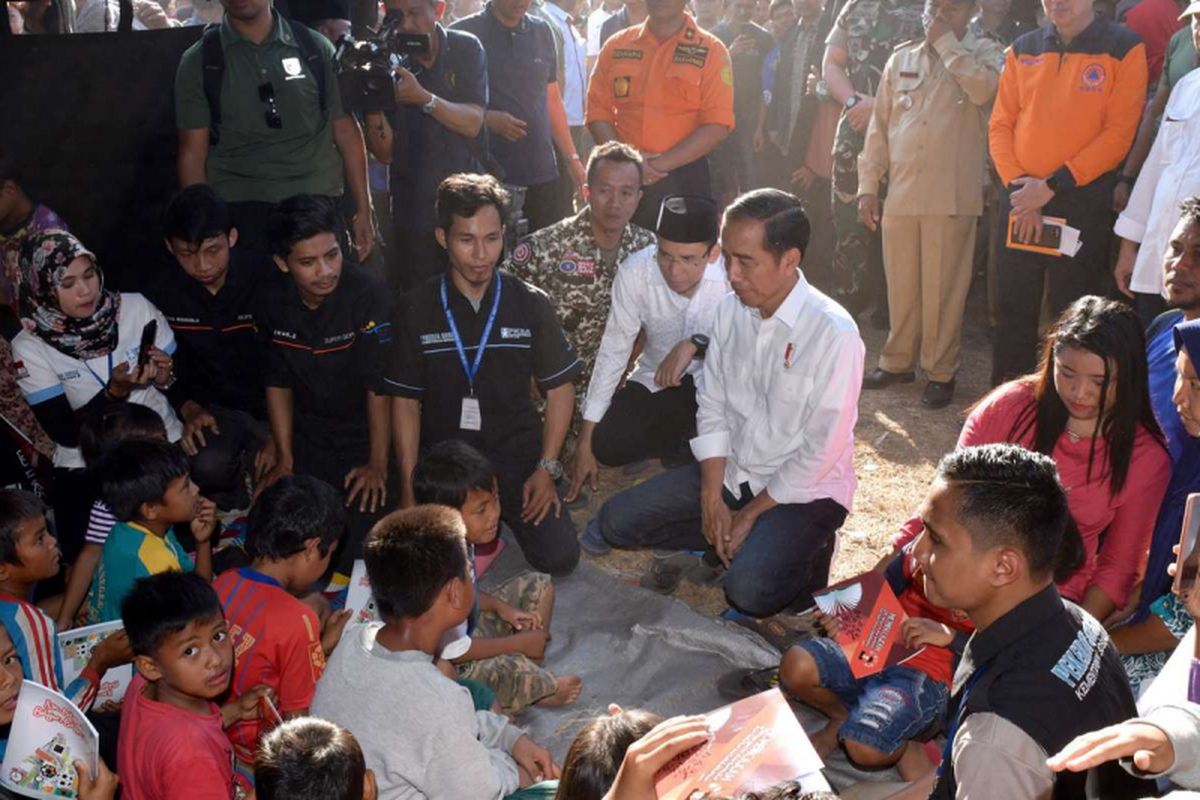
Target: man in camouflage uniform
point(862, 39)
point(575, 260)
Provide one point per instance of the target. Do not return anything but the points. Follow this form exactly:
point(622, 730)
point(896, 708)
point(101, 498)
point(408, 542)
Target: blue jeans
point(785, 555)
point(887, 708)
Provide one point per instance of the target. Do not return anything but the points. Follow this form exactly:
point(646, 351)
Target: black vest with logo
point(1049, 668)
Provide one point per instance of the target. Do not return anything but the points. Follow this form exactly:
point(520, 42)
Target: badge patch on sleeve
point(693, 54)
point(620, 87)
point(521, 254)
point(627, 54)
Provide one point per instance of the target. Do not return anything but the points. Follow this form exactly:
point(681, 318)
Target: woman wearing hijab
point(79, 349)
point(1162, 620)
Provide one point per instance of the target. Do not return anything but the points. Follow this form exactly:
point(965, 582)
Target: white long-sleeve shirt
point(641, 299)
point(1171, 174)
point(779, 398)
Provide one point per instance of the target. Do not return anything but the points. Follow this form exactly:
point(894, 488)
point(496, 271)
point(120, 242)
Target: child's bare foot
point(914, 763)
point(569, 688)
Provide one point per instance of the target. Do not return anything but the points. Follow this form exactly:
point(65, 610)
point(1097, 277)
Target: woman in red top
point(1088, 407)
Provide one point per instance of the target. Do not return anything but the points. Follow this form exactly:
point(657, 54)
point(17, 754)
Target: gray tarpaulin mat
point(640, 650)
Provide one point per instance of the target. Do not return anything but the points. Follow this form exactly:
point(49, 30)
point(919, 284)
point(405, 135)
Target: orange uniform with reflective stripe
point(655, 93)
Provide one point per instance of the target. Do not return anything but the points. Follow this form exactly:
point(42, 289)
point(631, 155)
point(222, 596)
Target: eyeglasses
point(266, 93)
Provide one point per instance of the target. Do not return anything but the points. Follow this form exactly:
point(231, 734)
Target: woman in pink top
point(1088, 407)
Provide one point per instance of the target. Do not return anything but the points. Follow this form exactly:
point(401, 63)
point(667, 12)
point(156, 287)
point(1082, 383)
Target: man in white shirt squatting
point(671, 291)
point(777, 402)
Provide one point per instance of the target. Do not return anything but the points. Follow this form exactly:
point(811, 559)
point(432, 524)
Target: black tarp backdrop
point(90, 117)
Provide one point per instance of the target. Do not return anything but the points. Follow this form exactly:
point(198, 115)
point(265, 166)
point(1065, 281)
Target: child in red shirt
point(172, 744)
point(293, 530)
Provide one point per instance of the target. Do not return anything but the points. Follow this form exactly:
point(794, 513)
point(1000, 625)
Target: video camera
point(365, 69)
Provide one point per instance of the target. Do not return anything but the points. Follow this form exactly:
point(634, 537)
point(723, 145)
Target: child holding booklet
point(102, 786)
point(509, 626)
point(148, 487)
point(294, 528)
point(419, 730)
point(28, 554)
point(173, 744)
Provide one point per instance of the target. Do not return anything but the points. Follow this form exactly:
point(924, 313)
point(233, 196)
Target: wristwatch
point(553, 467)
point(429, 107)
point(701, 343)
point(1052, 183)
point(851, 101)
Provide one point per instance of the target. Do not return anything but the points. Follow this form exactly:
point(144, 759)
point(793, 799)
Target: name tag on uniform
point(471, 418)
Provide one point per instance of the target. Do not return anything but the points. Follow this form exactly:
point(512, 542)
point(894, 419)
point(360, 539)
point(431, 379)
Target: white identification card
point(472, 417)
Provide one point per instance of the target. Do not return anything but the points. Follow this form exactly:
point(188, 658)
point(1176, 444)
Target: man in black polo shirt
point(435, 132)
point(1038, 671)
point(209, 300)
point(327, 330)
point(525, 115)
point(452, 387)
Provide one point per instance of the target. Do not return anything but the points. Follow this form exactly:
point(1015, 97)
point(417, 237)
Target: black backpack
point(213, 61)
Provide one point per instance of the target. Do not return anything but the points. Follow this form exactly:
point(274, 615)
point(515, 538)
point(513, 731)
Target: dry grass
point(897, 445)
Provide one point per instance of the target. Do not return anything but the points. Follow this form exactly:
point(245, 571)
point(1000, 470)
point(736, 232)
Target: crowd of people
point(573, 238)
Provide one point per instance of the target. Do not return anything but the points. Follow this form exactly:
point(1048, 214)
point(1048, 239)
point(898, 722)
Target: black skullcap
point(310, 12)
point(688, 219)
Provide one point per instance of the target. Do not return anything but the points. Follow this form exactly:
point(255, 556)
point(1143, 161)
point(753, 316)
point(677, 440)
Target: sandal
point(666, 570)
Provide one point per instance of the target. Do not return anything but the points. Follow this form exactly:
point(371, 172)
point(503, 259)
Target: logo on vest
point(292, 67)
point(515, 333)
point(1093, 78)
point(1079, 666)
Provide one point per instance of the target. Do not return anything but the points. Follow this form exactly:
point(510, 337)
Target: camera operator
point(434, 132)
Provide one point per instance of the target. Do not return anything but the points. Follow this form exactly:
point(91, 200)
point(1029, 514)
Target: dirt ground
point(897, 445)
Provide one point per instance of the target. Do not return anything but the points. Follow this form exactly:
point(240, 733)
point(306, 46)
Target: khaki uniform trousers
point(928, 262)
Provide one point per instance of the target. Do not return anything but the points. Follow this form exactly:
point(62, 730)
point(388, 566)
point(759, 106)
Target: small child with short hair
point(511, 623)
point(100, 431)
point(172, 744)
point(310, 757)
point(29, 553)
point(294, 528)
point(419, 729)
point(148, 487)
point(596, 752)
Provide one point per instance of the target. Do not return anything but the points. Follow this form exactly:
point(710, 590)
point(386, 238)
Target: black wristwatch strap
point(701, 343)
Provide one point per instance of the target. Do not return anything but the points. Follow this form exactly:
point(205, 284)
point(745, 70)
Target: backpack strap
point(212, 71)
point(310, 52)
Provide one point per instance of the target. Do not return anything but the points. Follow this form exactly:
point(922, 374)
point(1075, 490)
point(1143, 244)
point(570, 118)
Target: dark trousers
point(785, 556)
point(642, 424)
point(417, 257)
point(691, 178)
point(551, 546)
point(1020, 275)
point(818, 258)
point(326, 453)
point(545, 205)
point(1148, 306)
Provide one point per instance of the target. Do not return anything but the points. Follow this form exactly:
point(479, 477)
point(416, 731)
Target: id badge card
point(471, 418)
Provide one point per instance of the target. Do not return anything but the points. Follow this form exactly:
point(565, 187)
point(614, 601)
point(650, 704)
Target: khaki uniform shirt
point(928, 130)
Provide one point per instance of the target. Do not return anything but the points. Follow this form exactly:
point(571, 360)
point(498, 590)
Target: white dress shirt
point(1170, 175)
point(574, 64)
point(642, 299)
point(779, 398)
point(595, 22)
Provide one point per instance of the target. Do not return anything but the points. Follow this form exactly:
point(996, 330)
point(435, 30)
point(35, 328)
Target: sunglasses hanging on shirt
point(266, 93)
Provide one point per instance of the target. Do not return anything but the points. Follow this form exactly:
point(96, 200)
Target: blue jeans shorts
point(887, 708)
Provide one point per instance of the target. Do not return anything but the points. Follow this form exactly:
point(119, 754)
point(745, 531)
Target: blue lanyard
point(948, 751)
point(103, 383)
point(472, 370)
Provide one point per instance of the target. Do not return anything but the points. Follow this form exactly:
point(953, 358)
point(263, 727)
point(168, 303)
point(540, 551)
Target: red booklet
point(757, 742)
point(870, 617)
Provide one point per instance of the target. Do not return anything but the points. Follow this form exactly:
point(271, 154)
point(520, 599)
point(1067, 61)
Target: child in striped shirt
point(28, 554)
